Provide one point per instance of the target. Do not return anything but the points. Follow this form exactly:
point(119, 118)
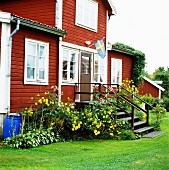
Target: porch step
point(139, 124)
point(120, 114)
point(129, 119)
point(145, 129)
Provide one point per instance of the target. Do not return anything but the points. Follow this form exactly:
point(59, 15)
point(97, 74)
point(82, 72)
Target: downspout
point(9, 62)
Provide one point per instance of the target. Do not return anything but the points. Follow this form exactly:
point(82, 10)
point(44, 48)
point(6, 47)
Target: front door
point(85, 76)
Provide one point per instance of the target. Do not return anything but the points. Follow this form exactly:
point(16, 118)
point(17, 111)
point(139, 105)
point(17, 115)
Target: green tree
point(163, 75)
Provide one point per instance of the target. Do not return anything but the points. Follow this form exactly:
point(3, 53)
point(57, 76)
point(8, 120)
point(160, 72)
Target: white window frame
point(101, 69)
point(36, 80)
point(116, 66)
point(70, 52)
point(87, 14)
point(58, 13)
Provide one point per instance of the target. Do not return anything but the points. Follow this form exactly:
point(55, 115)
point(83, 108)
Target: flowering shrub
point(96, 120)
point(129, 86)
point(158, 113)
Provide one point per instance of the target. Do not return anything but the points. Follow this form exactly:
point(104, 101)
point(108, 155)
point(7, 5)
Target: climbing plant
point(138, 62)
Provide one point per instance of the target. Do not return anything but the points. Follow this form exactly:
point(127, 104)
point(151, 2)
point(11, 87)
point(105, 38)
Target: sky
point(143, 25)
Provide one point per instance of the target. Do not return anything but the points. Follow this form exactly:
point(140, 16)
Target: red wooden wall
point(78, 35)
point(148, 88)
point(20, 93)
point(38, 10)
point(126, 64)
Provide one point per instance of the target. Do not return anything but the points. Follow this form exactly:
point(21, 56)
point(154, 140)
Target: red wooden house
point(151, 87)
point(120, 63)
point(36, 52)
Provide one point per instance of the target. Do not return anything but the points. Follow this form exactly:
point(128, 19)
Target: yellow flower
point(36, 104)
point(38, 95)
point(111, 134)
point(31, 98)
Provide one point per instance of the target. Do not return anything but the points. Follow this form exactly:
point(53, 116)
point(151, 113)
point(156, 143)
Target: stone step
point(143, 130)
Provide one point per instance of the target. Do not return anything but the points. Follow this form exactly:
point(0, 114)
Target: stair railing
point(130, 100)
point(115, 90)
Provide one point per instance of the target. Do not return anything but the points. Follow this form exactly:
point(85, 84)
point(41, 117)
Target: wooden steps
point(140, 127)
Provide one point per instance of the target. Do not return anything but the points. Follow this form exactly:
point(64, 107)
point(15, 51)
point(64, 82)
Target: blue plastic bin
point(12, 126)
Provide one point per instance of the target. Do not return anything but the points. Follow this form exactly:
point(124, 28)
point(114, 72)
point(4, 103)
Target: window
point(99, 69)
point(69, 65)
point(116, 71)
point(36, 62)
point(87, 14)
point(58, 14)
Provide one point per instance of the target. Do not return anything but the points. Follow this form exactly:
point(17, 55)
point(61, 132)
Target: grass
point(142, 154)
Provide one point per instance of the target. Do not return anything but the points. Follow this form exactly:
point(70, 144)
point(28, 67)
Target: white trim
point(120, 80)
point(4, 79)
point(37, 81)
point(5, 17)
point(106, 62)
point(114, 11)
point(159, 94)
point(78, 47)
point(70, 52)
point(83, 12)
point(59, 25)
point(154, 84)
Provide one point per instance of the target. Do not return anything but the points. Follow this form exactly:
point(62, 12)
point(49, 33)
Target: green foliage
point(127, 135)
point(159, 113)
point(166, 103)
point(150, 99)
point(143, 154)
point(32, 139)
point(163, 75)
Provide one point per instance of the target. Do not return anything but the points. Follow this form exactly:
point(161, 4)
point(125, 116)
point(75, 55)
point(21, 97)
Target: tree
point(163, 75)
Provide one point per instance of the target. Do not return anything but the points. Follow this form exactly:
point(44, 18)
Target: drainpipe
point(9, 62)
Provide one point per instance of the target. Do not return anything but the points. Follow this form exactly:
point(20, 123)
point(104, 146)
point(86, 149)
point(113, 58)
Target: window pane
point(72, 70)
point(96, 78)
point(41, 74)
point(41, 63)
point(65, 63)
point(30, 73)
point(85, 65)
point(32, 49)
point(41, 51)
point(31, 61)
point(64, 75)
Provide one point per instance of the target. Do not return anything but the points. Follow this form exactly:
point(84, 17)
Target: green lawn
point(142, 154)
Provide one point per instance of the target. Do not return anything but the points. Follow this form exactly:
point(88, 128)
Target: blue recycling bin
point(12, 126)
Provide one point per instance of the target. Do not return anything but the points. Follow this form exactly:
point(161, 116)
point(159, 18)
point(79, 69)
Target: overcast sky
point(143, 25)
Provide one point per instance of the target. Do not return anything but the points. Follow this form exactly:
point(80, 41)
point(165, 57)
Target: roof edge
point(154, 84)
point(39, 26)
point(122, 50)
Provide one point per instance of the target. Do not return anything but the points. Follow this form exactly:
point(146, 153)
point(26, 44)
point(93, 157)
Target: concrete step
point(144, 129)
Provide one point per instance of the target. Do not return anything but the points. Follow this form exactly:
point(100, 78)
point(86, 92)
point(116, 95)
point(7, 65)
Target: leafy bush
point(49, 120)
point(158, 113)
point(166, 103)
point(32, 139)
